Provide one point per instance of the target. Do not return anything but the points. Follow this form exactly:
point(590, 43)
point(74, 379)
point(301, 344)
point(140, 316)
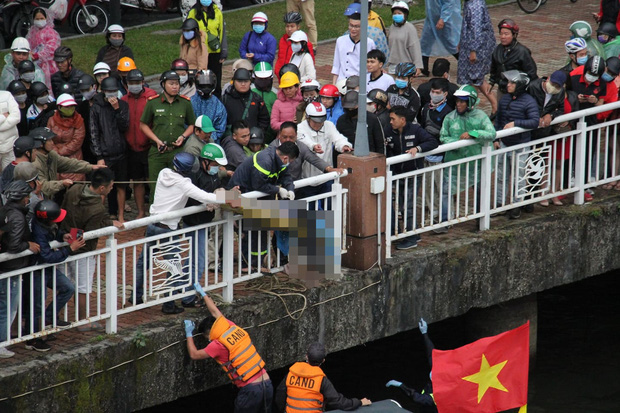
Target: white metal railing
point(169, 268)
point(496, 181)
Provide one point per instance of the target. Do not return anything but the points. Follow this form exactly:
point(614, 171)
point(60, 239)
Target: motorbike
point(14, 20)
point(85, 16)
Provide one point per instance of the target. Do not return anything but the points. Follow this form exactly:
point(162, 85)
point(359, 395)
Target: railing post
point(580, 161)
point(486, 170)
point(228, 250)
point(111, 295)
point(338, 211)
point(388, 213)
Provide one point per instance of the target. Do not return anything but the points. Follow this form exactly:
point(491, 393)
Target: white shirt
point(383, 82)
point(328, 137)
point(172, 192)
point(347, 56)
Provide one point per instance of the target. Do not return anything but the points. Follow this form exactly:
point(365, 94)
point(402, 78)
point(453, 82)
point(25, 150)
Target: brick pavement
point(543, 32)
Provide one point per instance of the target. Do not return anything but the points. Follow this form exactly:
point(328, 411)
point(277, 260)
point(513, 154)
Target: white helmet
point(101, 67)
point(260, 17)
point(341, 84)
point(316, 109)
point(20, 44)
point(575, 45)
point(65, 100)
point(298, 36)
point(310, 84)
point(116, 28)
point(400, 5)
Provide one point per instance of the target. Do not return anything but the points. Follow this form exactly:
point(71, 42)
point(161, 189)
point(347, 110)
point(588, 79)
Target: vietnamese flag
point(488, 375)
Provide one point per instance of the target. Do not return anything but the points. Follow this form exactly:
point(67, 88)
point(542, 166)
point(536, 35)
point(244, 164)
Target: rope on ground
point(266, 285)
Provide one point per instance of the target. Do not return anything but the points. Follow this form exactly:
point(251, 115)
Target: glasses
point(354, 26)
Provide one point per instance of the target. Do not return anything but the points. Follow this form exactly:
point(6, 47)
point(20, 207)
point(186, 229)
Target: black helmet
point(179, 64)
point(135, 75)
point(16, 87)
point(109, 83)
point(405, 69)
point(25, 66)
point(518, 78)
point(17, 190)
point(42, 134)
point(86, 82)
point(289, 67)
point(24, 144)
point(379, 97)
point(242, 74)
point(292, 17)
point(206, 81)
point(50, 211)
point(38, 89)
point(613, 65)
point(607, 28)
point(168, 75)
point(62, 53)
point(189, 25)
point(257, 135)
point(595, 65)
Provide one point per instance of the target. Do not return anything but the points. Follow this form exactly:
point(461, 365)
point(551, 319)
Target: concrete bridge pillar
point(490, 321)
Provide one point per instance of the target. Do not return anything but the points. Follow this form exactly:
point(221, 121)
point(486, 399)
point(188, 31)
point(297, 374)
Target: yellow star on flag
point(487, 377)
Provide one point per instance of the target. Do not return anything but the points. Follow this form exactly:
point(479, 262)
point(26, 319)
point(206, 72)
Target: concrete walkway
point(543, 32)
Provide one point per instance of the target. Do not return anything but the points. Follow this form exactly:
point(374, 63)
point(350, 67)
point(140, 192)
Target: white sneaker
point(5, 353)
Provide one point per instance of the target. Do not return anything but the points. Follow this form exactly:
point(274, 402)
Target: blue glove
point(423, 326)
point(393, 383)
point(198, 288)
point(189, 328)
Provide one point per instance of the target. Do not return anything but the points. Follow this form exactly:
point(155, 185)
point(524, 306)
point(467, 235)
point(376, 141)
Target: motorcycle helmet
point(469, 93)
point(135, 75)
point(292, 17)
point(184, 163)
point(179, 64)
point(510, 25)
point(50, 211)
point(109, 84)
point(206, 81)
point(520, 79)
point(214, 152)
point(581, 29)
point(38, 89)
point(17, 190)
point(289, 67)
point(595, 65)
point(329, 91)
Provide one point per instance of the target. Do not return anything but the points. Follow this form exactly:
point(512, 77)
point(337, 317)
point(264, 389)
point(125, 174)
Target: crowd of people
point(59, 124)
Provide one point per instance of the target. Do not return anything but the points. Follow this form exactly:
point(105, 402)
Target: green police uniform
point(167, 121)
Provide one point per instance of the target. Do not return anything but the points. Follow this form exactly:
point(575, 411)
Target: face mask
point(213, 170)
point(27, 77)
point(183, 79)
point(603, 39)
point(551, 89)
point(43, 100)
point(88, 95)
point(591, 78)
point(607, 77)
point(189, 35)
point(370, 107)
point(263, 84)
point(398, 18)
point(67, 112)
point(582, 60)
point(110, 95)
point(116, 42)
point(135, 89)
point(401, 84)
point(206, 3)
point(21, 98)
point(295, 47)
point(437, 98)
point(40, 23)
point(258, 28)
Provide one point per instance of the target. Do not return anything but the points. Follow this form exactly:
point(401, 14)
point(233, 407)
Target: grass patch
point(154, 47)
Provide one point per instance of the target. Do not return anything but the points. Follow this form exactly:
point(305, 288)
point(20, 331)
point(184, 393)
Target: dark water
point(577, 367)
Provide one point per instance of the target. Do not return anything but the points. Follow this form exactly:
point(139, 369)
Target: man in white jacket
point(9, 118)
point(172, 191)
point(321, 136)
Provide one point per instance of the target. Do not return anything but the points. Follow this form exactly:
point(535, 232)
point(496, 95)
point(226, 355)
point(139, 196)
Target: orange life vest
point(243, 359)
point(303, 388)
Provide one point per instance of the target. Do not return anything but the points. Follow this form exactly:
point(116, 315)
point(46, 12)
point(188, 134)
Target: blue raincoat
point(442, 42)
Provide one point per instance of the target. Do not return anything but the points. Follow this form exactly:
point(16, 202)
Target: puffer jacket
point(137, 140)
point(107, 128)
point(73, 77)
point(69, 137)
point(15, 238)
point(8, 124)
point(512, 57)
point(523, 111)
point(262, 45)
point(236, 103)
point(84, 211)
point(284, 109)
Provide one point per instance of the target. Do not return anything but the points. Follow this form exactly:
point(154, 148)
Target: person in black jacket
point(109, 119)
point(331, 399)
point(411, 138)
point(242, 103)
point(379, 106)
point(115, 49)
point(549, 94)
point(16, 238)
point(515, 109)
point(347, 124)
point(63, 56)
point(441, 70)
point(509, 54)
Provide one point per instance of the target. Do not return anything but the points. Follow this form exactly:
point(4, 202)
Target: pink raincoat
point(43, 42)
